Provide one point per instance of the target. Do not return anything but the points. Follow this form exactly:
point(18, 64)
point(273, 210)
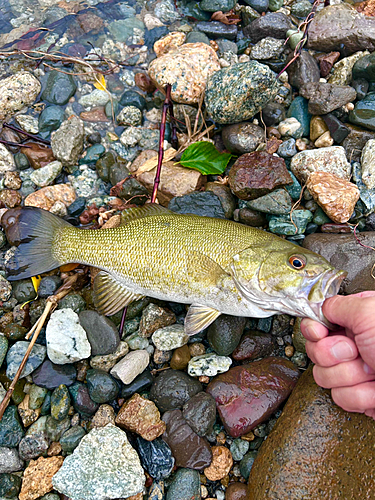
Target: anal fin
point(110, 295)
point(198, 318)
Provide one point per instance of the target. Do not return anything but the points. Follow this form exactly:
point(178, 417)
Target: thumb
point(356, 314)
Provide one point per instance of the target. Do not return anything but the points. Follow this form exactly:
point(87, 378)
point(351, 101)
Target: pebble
point(49, 196)
point(130, 366)
point(104, 415)
point(154, 318)
point(180, 358)
point(71, 438)
point(267, 48)
point(367, 164)
point(324, 97)
point(16, 354)
point(101, 386)
point(32, 447)
point(332, 160)
point(129, 115)
point(27, 123)
point(141, 416)
point(200, 413)
point(101, 332)
point(55, 428)
point(66, 339)
point(11, 431)
point(185, 485)
point(7, 163)
point(239, 448)
point(9, 460)
point(156, 457)
point(172, 389)
point(225, 333)
point(208, 364)
point(50, 376)
point(50, 119)
point(37, 478)
point(253, 345)
point(236, 491)
point(275, 24)
point(170, 337)
point(45, 176)
point(10, 485)
point(16, 92)
point(81, 399)
point(67, 141)
point(139, 384)
point(107, 361)
point(247, 463)
point(117, 472)
point(221, 464)
point(242, 138)
point(28, 416)
point(203, 203)
point(60, 88)
point(60, 402)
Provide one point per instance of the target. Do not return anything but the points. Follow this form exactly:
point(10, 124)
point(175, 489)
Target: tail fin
point(33, 231)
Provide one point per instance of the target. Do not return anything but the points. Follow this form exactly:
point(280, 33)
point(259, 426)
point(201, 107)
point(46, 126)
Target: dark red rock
point(144, 82)
point(188, 449)
point(38, 155)
point(326, 62)
point(253, 345)
point(256, 174)
point(247, 395)
point(328, 227)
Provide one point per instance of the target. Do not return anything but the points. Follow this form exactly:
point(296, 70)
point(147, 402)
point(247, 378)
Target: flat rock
point(332, 159)
point(325, 97)
point(186, 485)
point(50, 376)
point(200, 413)
point(204, 203)
point(368, 164)
point(253, 345)
point(304, 70)
point(274, 24)
point(153, 318)
point(355, 141)
point(311, 433)
point(16, 354)
point(101, 332)
point(247, 395)
point(48, 196)
point(37, 478)
point(67, 141)
point(156, 457)
point(104, 465)
point(16, 92)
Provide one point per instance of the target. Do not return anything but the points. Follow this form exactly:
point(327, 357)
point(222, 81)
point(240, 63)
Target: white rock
point(209, 365)
point(368, 164)
point(131, 366)
point(332, 159)
point(170, 337)
point(96, 98)
point(66, 339)
point(46, 175)
point(28, 123)
point(17, 92)
point(289, 127)
point(6, 160)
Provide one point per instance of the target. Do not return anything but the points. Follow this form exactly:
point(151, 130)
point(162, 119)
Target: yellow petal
point(100, 82)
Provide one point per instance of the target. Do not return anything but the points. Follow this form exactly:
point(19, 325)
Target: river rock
point(238, 92)
point(208, 365)
point(216, 29)
point(156, 457)
point(38, 155)
point(339, 26)
point(16, 92)
point(241, 138)
point(170, 337)
point(332, 159)
point(16, 354)
point(172, 389)
point(154, 318)
point(108, 361)
point(311, 432)
point(67, 141)
point(33, 446)
point(204, 203)
point(355, 141)
point(225, 333)
point(50, 376)
point(101, 332)
point(131, 365)
point(71, 438)
point(247, 395)
point(102, 387)
point(141, 416)
point(37, 478)
point(185, 485)
point(363, 113)
point(336, 196)
point(324, 97)
point(189, 449)
point(66, 339)
point(11, 431)
point(221, 464)
point(82, 401)
point(45, 176)
point(267, 48)
point(342, 73)
point(60, 88)
point(9, 460)
point(304, 70)
point(256, 174)
point(368, 164)
point(49, 196)
point(278, 202)
point(274, 24)
point(117, 472)
point(254, 345)
point(200, 413)
point(7, 163)
point(50, 118)
point(187, 68)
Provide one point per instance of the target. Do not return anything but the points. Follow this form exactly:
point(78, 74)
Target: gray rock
point(60, 88)
point(96, 98)
point(46, 175)
point(278, 202)
point(127, 30)
point(367, 196)
point(33, 446)
point(274, 24)
point(239, 447)
point(16, 92)
point(28, 123)
point(304, 70)
point(37, 395)
point(101, 332)
point(172, 389)
point(225, 333)
point(215, 29)
point(66, 339)
point(15, 356)
point(267, 48)
point(132, 365)
point(130, 115)
point(9, 460)
point(208, 365)
point(104, 465)
point(170, 337)
point(67, 141)
point(238, 92)
point(200, 203)
point(200, 413)
point(368, 164)
point(332, 160)
point(241, 138)
point(186, 485)
point(324, 97)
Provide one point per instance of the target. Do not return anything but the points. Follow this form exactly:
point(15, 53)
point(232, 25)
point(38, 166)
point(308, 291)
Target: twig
point(14, 144)
point(122, 323)
point(295, 206)
point(27, 134)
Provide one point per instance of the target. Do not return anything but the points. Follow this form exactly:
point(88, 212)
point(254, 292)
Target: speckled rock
point(200, 413)
point(186, 485)
point(131, 365)
point(189, 449)
point(117, 472)
point(129, 116)
point(108, 361)
point(169, 42)
point(7, 163)
point(67, 141)
point(156, 457)
point(46, 175)
point(368, 164)
point(9, 460)
point(238, 92)
point(208, 365)
point(28, 415)
point(66, 339)
point(170, 337)
point(247, 395)
point(16, 92)
point(342, 70)
point(332, 159)
point(49, 196)
point(241, 138)
point(267, 48)
point(221, 464)
point(344, 440)
point(172, 389)
point(37, 478)
point(187, 68)
point(153, 318)
point(336, 196)
point(16, 354)
point(141, 416)
point(11, 431)
point(324, 97)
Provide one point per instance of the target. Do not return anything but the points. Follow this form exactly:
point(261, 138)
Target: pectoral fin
point(110, 295)
point(198, 318)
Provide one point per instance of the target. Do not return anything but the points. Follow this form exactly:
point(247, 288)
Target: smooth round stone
point(81, 399)
point(50, 376)
point(363, 113)
point(23, 290)
point(238, 449)
point(185, 485)
point(3, 348)
point(139, 384)
point(16, 354)
point(170, 337)
point(247, 463)
point(55, 428)
point(71, 438)
point(225, 333)
point(104, 164)
point(242, 138)
point(172, 389)
point(59, 89)
point(200, 413)
point(273, 113)
point(93, 154)
point(46, 406)
point(133, 98)
point(49, 285)
point(102, 387)
point(11, 431)
point(94, 138)
point(180, 358)
point(9, 460)
point(208, 365)
point(287, 149)
point(215, 5)
point(197, 36)
point(73, 301)
point(156, 457)
point(131, 366)
point(111, 108)
point(10, 485)
point(259, 5)
point(301, 9)
point(215, 29)
point(236, 491)
point(275, 5)
point(123, 29)
point(365, 68)
point(37, 395)
point(21, 161)
point(33, 446)
point(135, 342)
point(60, 402)
point(51, 118)
point(101, 332)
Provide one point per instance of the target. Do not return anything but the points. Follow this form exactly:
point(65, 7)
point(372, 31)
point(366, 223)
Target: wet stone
point(239, 448)
point(131, 366)
point(50, 376)
point(133, 98)
point(10, 485)
point(50, 119)
point(37, 395)
point(274, 24)
point(278, 202)
point(200, 413)
point(60, 402)
point(189, 449)
point(324, 97)
point(139, 384)
point(71, 438)
point(208, 365)
point(185, 485)
point(102, 387)
point(254, 345)
point(331, 159)
point(170, 337)
point(215, 29)
point(172, 389)
point(304, 70)
point(27, 415)
point(23, 290)
point(224, 334)
point(59, 89)
point(236, 491)
point(102, 333)
point(222, 462)
point(16, 354)
point(33, 446)
point(11, 431)
point(242, 138)
point(273, 113)
point(247, 463)
point(48, 286)
point(82, 401)
point(281, 224)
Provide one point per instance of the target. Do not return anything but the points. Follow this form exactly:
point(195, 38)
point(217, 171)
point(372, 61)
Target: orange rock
point(171, 41)
point(336, 196)
point(94, 115)
point(141, 415)
point(221, 464)
point(37, 478)
point(49, 195)
point(10, 198)
point(39, 156)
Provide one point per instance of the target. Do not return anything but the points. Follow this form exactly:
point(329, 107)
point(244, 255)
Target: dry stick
point(27, 134)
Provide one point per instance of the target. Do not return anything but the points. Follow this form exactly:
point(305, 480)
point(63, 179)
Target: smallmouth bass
point(216, 265)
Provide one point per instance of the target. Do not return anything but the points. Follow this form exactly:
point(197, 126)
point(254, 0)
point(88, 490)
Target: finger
point(358, 398)
point(370, 413)
point(345, 374)
point(312, 330)
point(354, 312)
point(331, 350)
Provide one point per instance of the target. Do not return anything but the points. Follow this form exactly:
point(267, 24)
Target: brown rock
point(54, 449)
point(317, 127)
point(187, 68)
point(336, 196)
point(189, 449)
point(355, 141)
point(316, 450)
point(221, 464)
point(153, 318)
point(180, 358)
point(10, 198)
point(105, 415)
point(37, 478)
point(12, 180)
point(329, 227)
point(174, 181)
point(251, 217)
point(144, 82)
point(367, 7)
point(236, 491)
point(94, 115)
point(256, 174)
point(144, 156)
point(161, 357)
point(17, 91)
point(138, 496)
point(326, 62)
point(253, 345)
point(89, 22)
point(169, 42)
point(39, 156)
point(325, 97)
point(27, 415)
point(141, 415)
point(48, 196)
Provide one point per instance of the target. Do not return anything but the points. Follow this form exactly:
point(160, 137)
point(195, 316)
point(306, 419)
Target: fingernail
point(367, 369)
point(342, 351)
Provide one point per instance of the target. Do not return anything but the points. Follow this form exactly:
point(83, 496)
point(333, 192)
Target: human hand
point(345, 359)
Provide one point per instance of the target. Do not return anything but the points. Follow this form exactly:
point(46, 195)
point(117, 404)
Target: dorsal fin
point(110, 295)
point(141, 212)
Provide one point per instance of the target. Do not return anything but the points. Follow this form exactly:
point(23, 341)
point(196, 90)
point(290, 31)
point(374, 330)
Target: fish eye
point(297, 262)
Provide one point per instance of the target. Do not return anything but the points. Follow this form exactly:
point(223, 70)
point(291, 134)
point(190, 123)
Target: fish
point(216, 266)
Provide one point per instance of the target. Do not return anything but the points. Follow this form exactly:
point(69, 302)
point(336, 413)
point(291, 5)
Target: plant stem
point(122, 323)
point(31, 136)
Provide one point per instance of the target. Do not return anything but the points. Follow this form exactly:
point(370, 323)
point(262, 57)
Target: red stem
point(27, 134)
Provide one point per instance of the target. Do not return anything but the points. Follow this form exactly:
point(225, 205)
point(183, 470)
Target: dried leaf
point(150, 164)
point(226, 17)
point(100, 82)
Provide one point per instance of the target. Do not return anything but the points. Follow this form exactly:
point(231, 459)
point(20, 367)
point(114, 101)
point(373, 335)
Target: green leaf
point(204, 157)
